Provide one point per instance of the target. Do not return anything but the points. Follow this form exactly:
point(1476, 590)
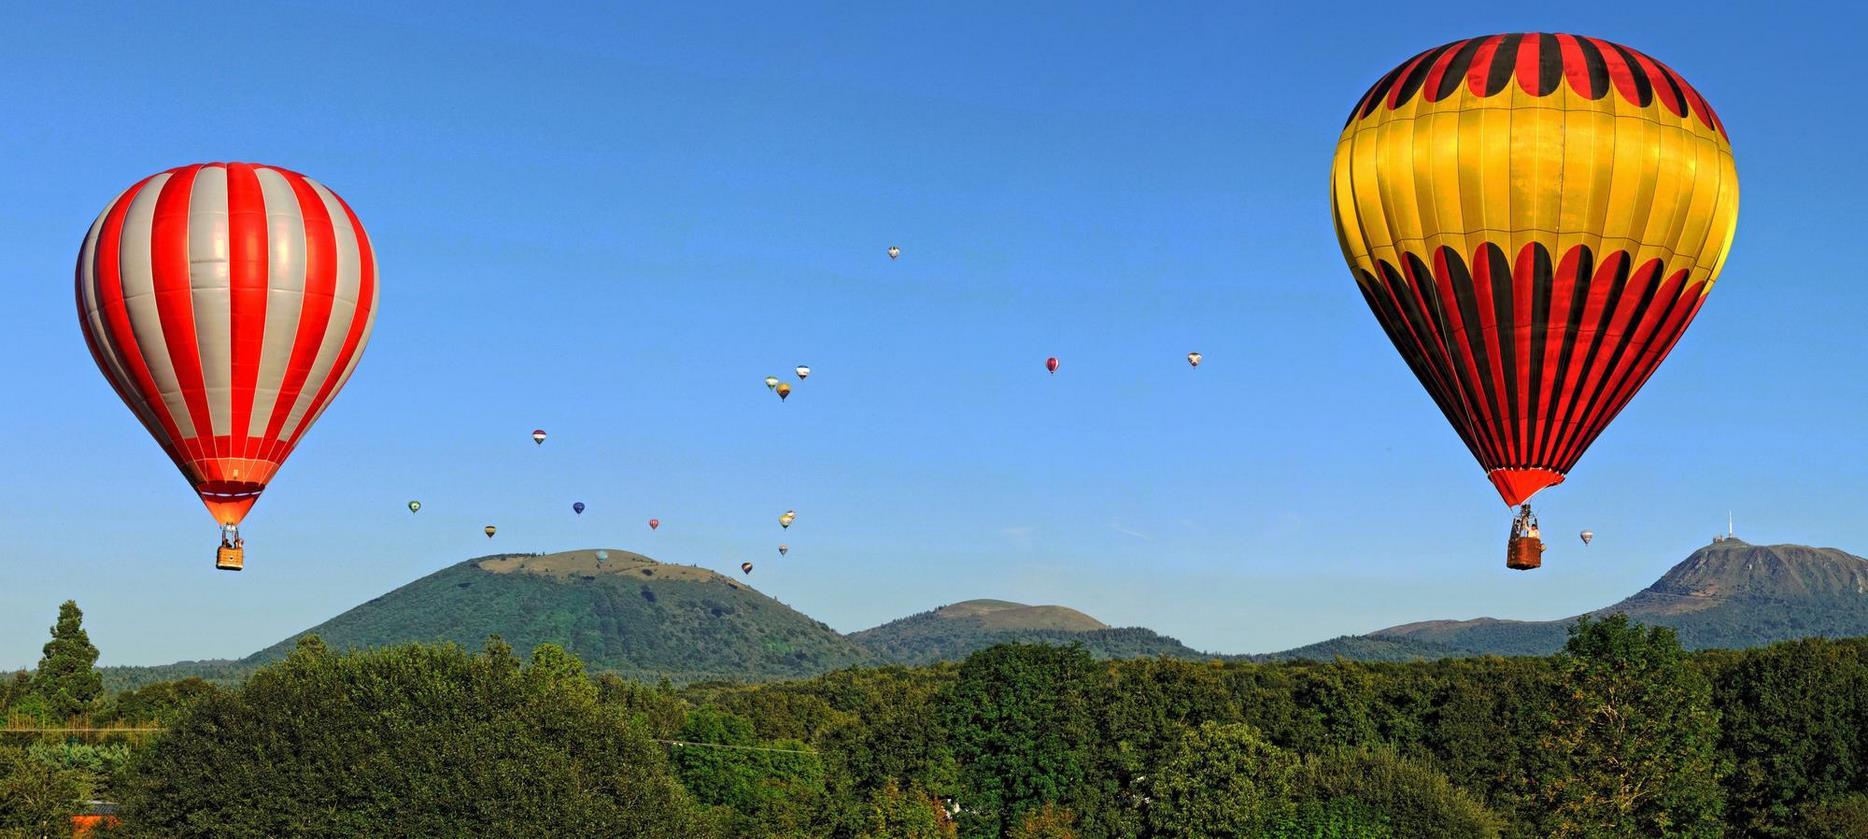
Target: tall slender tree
point(67, 678)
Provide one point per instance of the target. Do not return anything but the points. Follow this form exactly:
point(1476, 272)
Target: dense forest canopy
point(1623, 733)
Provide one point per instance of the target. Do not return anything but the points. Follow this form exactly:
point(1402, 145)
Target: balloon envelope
point(490, 530)
point(1534, 220)
point(745, 568)
point(1588, 536)
point(894, 251)
point(804, 371)
point(1194, 358)
point(227, 304)
point(1050, 364)
point(771, 382)
point(654, 523)
point(784, 549)
point(784, 390)
point(538, 436)
point(578, 508)
point(415, 506)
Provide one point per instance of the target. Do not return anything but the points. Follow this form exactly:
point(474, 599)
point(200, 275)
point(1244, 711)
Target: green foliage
point(1635, 735)
point(98, 768)
point(772, 789)
point(408, 741)
point(1047, 822)
point(1336, 818)
point(1377, 790)
point(933, 636)
point(895, 813)
point(1840, 817)
point(36, 798)
point(1223, 780)
point(1020, 720)
point(1794, 723)
point(66, 679)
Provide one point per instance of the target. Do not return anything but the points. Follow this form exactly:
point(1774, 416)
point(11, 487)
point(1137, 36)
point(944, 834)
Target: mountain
point(953, 631)
point(1727, 594)
point(625, 613)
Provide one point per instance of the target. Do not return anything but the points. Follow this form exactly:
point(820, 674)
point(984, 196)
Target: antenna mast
point(1728, 524)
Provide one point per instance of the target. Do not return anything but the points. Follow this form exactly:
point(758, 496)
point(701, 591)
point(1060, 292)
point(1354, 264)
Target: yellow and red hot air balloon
point(227, 303)
point(1534, 220)
point(784, 390)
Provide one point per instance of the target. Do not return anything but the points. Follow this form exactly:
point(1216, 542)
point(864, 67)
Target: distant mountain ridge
point(630, 614)
point(958, 629)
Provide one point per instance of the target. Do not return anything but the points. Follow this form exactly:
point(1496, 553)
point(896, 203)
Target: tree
point(1047, 822)
point(1634, 733)
point(409, 741)
point(895, 813)
point(36, 798)
point(772, 789)
point(1020, 719)
point(1373, 791)
point(67, 679)
point(1223, 780)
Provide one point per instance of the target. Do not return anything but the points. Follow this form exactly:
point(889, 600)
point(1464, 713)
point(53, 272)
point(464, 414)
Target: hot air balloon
point(539, 435)
point(577, 507)
point(602, 555)
point(745, 568)
point(771, 382)
point(1588, 536)
point(227, 304)
point(786, 519)
point(1534, 220)
point(1050, 364)
point(804, 372)
point(415, 506)
point(654, 523)
point(894, 252)
point(1194, 359)
point(784, 390)
point(490, 530)
point(784, 549)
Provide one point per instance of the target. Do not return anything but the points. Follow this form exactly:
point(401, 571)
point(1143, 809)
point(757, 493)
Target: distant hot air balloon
point(490, 530)
point(227, 304)
point(654, 523)
point(538, 436)
point(1050, 364)
point(894, 252)
point(784, 390)
point(784, 549)
point(415, 506)
point(1534, 220)
point(602, 555)
point(771, 382)
point(1588, 536)
point(804, 372)
point(786, 519)
point(577, 507)
point(745, 568)
point(1194, 358)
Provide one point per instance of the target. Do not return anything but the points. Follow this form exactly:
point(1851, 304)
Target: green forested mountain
point(1729, 594)
point(952, 632)
point(625, 613)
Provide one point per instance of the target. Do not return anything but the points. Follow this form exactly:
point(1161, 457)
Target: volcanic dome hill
point(954, 631)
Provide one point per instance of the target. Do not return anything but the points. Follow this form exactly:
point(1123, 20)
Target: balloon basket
point(1524, 553)
point(230, 559)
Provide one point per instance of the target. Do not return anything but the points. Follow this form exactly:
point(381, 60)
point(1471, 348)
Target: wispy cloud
point(1127, 532)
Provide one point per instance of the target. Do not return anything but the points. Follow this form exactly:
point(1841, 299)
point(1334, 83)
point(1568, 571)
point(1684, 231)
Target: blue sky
point(613, 224)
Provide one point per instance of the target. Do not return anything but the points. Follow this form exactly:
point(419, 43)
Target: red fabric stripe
point(1620, 74)
point(1526, 70)
point(107, 293)
point(1596, 384)
point(1660, 327)
point(170, 276)
point(1523, 285)
point(1478, 407)
point(360, 318)
point(1662, 90)
point(247, 242)
point(320, 285)
point(1548, 430)
point(1438, 70)
point(1429, 376)
point(1488, 319)
point(1481, 65)
point(1575, 67)
point(1436, 353)
point(1394, 93)
point(1698, 103)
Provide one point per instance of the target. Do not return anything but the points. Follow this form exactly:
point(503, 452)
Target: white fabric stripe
point(369, 326)
point(285, 292)
point(93, 321)
point(140, 297)
point(210, 292)
point(343, 311)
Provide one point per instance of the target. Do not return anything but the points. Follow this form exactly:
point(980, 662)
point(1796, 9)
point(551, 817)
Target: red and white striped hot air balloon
point(227, 303)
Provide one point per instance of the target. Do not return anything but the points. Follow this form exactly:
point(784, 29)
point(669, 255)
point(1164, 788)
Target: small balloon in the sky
point(784, 549)
point(804, 372)
point(895, 252)
point(602, 555)
point(745, 568)
point(786, 519)
point(1050, 364)
point(415, 506)
point(1194, 358)
point(1588, 536)
point(771, 382)
point(538, 436)
point(577, 507)
point(654, 523)
point(490, 530)
point(784, 390)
